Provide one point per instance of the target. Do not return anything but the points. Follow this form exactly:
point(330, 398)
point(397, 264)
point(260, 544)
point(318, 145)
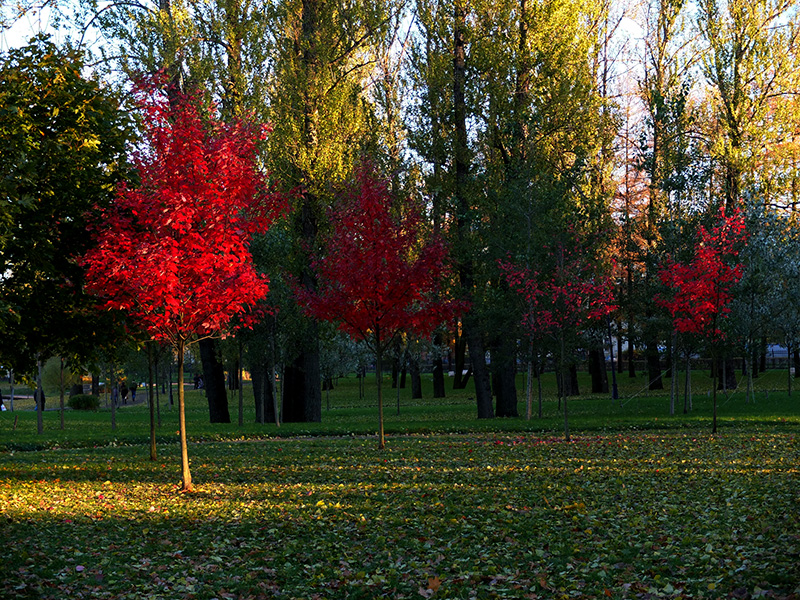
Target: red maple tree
point(378, 277)
point(172, 253)
point(702, 288)
point(570, 295)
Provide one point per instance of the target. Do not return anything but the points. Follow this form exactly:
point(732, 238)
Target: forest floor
point(636, 505)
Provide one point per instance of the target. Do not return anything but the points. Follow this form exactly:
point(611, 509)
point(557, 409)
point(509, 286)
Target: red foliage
point(702, 288)
point(173, 251)
point(378, 277)
point(574, 293)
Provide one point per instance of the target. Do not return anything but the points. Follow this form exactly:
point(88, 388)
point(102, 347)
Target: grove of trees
point(571, 150)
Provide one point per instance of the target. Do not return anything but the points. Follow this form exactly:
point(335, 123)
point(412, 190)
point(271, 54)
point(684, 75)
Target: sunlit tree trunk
point(151, 401)
point(186, 475)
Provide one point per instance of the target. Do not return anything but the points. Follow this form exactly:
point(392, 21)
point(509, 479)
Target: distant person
point(134, 385)
point(123, 392)
point(38, 399)
point(2, 405)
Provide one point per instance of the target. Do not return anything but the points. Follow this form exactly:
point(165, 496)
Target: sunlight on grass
point(501, 515)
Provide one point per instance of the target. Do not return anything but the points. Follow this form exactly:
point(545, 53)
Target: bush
point(84, 402)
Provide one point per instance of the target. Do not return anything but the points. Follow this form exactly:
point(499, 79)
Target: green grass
point(639, 505)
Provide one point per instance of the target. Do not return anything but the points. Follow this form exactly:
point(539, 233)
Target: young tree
point(378, 277)
point(173, 252)
point(702, 287)
point(573, 294)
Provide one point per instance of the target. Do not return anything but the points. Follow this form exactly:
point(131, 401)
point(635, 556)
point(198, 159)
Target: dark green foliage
point(84, 402)
point(63, 143)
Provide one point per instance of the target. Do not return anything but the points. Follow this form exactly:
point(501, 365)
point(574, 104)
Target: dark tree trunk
point(416, 379)
point(597, 368)
point(726, 374)
point(477, 354)
point(214, 381)
point(631, 357)
point(233, 377)
point(506, 390)
point(796, 362)
point(262, 392)
point(438, 369)
point(654, 378)
point(763, 365)
point(395, 371)
point(570, 382)
point(504, 376)
point(459, 379)
point(95, 384)
point(302, 394)
point(403, 375)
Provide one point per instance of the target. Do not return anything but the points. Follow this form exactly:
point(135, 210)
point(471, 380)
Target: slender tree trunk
point(614, 388)
point(241, 388)
point(459, 380)
point(416, 379)
point(11, 399)
point(529, 385)
point(564, 392)
point(673, 388)
point(150, 401)
point(539, 383)
point(61, 392)
point(788, 367)
point(687, 386)
point(379, 377)
point(186, 475)
point(159, 372)
point(714, 392)
point(438, 369)
point(39, 397)
point(113, 399)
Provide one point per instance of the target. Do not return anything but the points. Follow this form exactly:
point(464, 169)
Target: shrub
point(84, 402)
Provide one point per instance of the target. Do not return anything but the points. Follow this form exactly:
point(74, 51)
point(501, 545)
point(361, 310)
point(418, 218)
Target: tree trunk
point(673, 390)
point(241, 387)
point(568, 381)
point(653, 366)
point(416, 379)
point(61, 393)
point(597, 363)
point(214, 380)
point(379, 379)
point(150, 401)
point(186, 475)
point(726, 375)
point(483, 392)
point(459, 380)
point(302, 386)
point(687, 389)
point(438, 369)
point(796, 361)
point(39, 398)
point(506, 374)
point(95, 384)
point(114, 400)
point(263, 393)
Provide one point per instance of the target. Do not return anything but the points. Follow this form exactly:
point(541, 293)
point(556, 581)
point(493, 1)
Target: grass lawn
point(639, 505)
